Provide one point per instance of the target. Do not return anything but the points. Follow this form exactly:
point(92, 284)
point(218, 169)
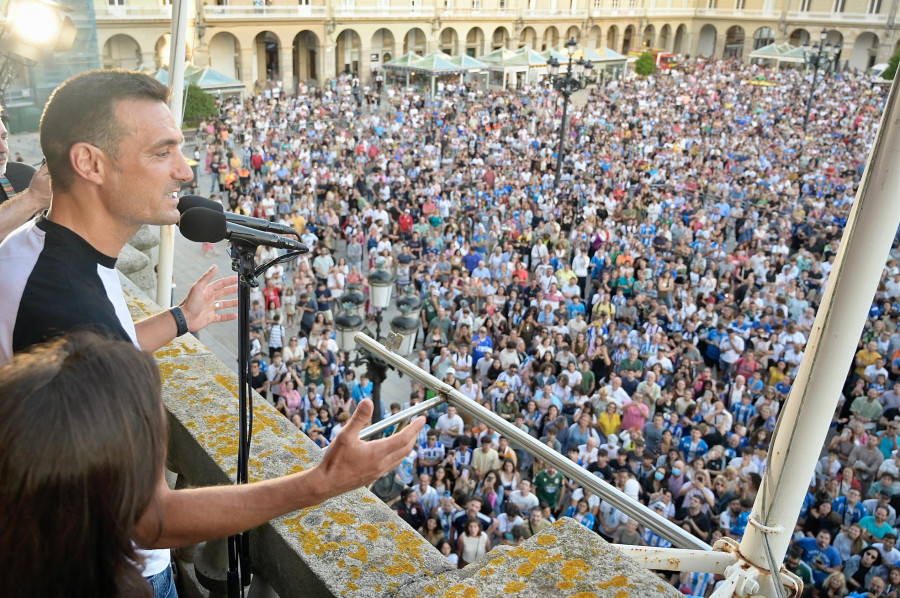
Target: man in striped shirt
point(430, 455)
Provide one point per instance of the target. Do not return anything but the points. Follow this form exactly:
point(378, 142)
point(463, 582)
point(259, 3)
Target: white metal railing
point(387, 12)
point(731, 13)
point(103, 13)
point(837, 17)
point(672, 532)
point(265, 12)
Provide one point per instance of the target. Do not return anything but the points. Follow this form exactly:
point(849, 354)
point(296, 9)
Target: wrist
point(181, 325)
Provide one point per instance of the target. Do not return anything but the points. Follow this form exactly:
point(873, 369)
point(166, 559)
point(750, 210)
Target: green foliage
point(891, 71)
point(198, 105)
point(645, 65)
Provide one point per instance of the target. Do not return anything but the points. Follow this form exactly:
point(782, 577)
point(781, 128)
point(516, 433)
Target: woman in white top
point(472, 543)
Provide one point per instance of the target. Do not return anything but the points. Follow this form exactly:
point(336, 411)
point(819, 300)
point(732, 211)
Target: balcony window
point(838, 6)
point(712, 4)
point(116, 2)
point(874, 7)
point(740, 4)
point(476, 4)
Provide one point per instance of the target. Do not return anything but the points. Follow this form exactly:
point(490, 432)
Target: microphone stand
point(243, 256)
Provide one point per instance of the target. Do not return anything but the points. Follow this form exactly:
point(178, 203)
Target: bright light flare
point(34, 22)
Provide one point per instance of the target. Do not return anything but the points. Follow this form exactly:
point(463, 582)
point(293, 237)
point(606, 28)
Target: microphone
point(210, 226)
point(195, 201)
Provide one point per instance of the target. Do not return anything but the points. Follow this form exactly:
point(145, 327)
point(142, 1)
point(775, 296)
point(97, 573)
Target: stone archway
point(551, 38)
point(612, 37)
point(347, 51)
point(706, 46)
point(383, 44)
point(449, 41)
point(528, 38)
point(864, 50)
point(122, 52)
point(475, 42)
point(648, 38)
point(595, 37)
point(628, 39)
point(268, 67)
point(573, 32)
point(763, 37)
point(665, 35)
point(500, 38)
point(161, 49)
point(680, 40)
point(415, 41)
point(799, 37)
point(305, 49)
point(734, 42)
point(225, 55)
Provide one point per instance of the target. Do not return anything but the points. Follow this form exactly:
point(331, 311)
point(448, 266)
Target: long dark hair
point(83, 432)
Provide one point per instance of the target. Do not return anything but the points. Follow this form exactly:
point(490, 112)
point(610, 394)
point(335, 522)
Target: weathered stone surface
point(144, 240)
point(354, 545)
point(566, 559)
point(131, 260)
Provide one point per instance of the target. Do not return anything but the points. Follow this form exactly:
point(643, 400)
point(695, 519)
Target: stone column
point(286, 66)
point(327, 53)
point(248, 68)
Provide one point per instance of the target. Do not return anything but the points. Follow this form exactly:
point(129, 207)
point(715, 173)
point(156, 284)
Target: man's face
point(4, 148)
point(823, 539)
point(141, 183)
point(525, 487)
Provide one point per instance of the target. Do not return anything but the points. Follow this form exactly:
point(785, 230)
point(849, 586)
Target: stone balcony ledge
point(354, 545)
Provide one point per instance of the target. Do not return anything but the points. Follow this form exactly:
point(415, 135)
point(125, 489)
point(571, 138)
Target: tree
point(198, 105)
point(645, 65)
point(891, 70)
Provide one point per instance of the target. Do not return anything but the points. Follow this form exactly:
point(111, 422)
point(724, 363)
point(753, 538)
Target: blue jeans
point(163, 584)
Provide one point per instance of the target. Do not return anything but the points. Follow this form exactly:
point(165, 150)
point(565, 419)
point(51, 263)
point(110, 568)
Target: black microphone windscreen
point(195, 201)
point(203, 226)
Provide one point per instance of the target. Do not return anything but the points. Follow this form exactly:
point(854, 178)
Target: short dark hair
point(82, 110)
point(68, 485)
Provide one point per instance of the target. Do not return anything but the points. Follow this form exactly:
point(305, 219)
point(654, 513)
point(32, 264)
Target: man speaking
point(114, 155)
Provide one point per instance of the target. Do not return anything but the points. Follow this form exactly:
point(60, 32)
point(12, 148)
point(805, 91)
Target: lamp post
point(575, 78)
point(823, 56)
point(381, 285)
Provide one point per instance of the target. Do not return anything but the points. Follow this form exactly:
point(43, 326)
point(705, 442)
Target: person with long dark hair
point(71, 494)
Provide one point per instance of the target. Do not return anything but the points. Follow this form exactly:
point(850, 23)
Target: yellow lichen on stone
point(461, 591)
point(351, 585)
point(342, 517)
point(515, 586)
point(228, 382)
point(621, 594)
point(573, 569)
point(616, 581)
point(369, 531)
point(583, 595)
point(369, 500)
point(430, 590)
point(355, 572)
point(546, 540)
point(565, 585)
point(486, 571)
point(497, 561)
point(360, 554)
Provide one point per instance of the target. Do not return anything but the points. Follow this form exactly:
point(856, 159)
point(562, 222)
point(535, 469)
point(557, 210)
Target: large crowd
point(646, 318)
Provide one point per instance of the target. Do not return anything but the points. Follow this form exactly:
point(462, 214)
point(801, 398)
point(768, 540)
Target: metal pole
point(812, 91)
point(379, 427)
point(680, 559)
point(564, 90)
point(675, 534)
point(165, 265)
point(807, 414)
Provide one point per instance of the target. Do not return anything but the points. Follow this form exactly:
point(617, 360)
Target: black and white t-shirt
point(53, 282)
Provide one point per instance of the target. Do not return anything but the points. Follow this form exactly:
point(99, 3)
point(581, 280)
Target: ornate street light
point(823, 55)
point(577, 74)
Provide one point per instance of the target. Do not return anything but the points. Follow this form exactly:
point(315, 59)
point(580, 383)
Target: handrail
point(659, 524)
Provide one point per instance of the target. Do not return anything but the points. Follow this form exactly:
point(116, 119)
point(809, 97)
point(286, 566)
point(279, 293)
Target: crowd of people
point(646, 318)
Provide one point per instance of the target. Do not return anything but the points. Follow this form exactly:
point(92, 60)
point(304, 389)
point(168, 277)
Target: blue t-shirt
point(812, 554)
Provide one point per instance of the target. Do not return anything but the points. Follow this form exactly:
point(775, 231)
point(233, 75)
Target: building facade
point(278, 40)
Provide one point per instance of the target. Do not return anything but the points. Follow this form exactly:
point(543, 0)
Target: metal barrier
point(446, 393)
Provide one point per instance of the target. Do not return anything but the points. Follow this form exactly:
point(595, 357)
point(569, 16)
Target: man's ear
point(89, 162)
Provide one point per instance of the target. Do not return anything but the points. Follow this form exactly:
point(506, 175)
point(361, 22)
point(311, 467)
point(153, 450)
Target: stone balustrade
point(352, 545)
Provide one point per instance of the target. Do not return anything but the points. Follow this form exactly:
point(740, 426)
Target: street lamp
point(576, 77)
point(381, 285)
point(823, 56)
